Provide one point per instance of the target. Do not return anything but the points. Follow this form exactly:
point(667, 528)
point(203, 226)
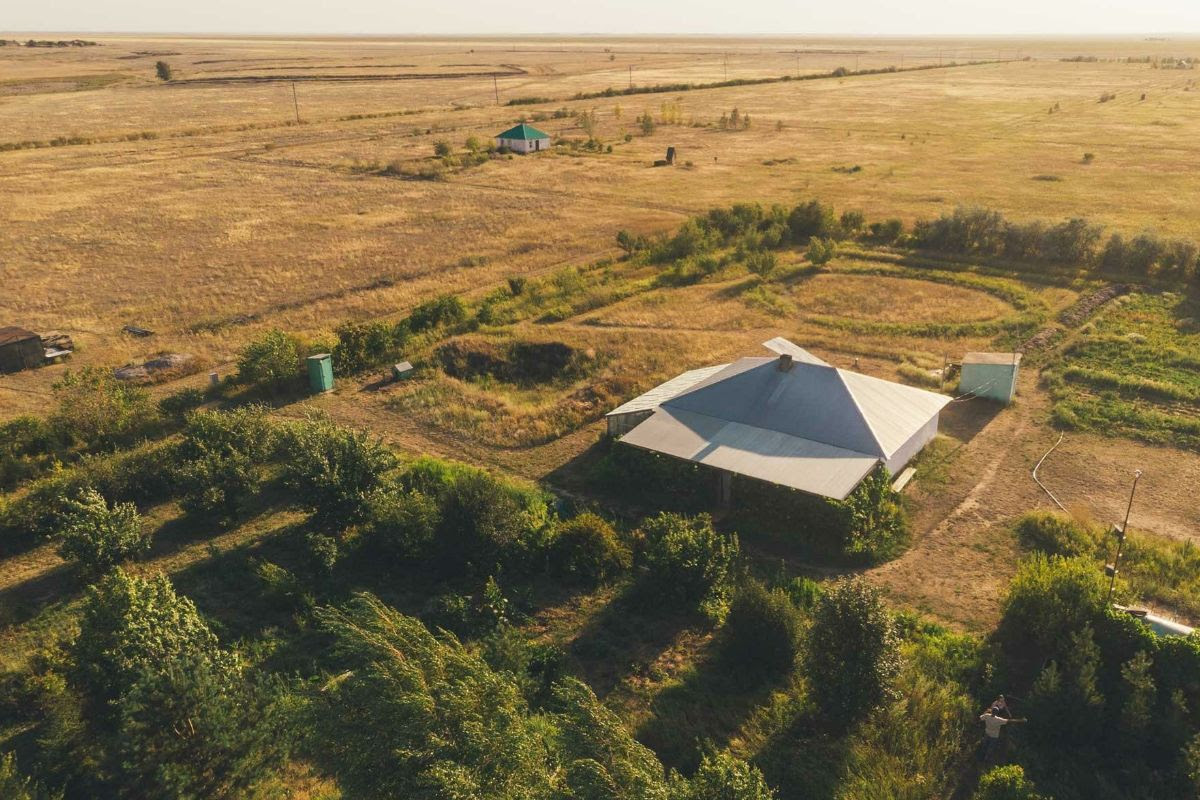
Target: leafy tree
point(485, 524)
point(876, 525)
point(820, 251)
point(810, 219)
point(631, 243)
point(97, 409)
point(723, 776)
point(851, 222)
point(687, 560)
point(587, 549)
point(333, 469)
point(419, 716)
point(222, 459)
point(98, 537)
point(1066, 702)
point(272, 360)
point(442, 149)
point(197, 728)
point(1049, 599)
point(163, 70)
point(402, 523)
point(852, 654)
point(130, 625)
point(761, 636)
point(1005, 783)
point(365, 344)
point(647, 123)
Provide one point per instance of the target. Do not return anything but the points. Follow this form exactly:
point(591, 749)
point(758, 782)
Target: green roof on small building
point(523, 131)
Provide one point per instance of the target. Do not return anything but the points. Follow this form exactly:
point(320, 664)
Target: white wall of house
point(913, 446)
point(524, 145)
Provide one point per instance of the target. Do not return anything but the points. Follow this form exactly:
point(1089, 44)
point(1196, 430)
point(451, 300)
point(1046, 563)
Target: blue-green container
point(990, 375)
point(320, 373)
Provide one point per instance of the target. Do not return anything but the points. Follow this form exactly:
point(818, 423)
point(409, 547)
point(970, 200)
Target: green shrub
point(588, 550)
point(723, 776)
point(222, 458)
point(820, 251)
point(761, 635)
point(98, 410)
point(364, 345)
point(402, 523)
point(876, 526)
point(180, 402)
point(272, 360)
point(761, 263)
point(15, 786)
point(852, 654)
point(811, 219)
point(322, 551)
point(331, 469)
point(687, 561)
point(446, 309)
point(163, 70)
point(486, 525)
point(1005, 783)
point(28, 446)
point(1049, 599)
point(97, 537)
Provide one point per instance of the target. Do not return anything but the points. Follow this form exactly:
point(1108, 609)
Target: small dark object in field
point(134, 330)
point(662, 162)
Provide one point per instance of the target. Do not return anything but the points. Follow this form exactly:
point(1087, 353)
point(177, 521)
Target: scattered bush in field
point(402, 523)
point(852, 654)
point(98, 537)
point(811, 219)
point(724, 776)
point(1055, 534)
point(851, 222)
point(1005, 783)
point(647, 123)
point(332, 469)
point(803, 592)
point(98, 410)
point(761, 263)
point(1089, 158)
point(442, 149)
point(820, 251)
point(688, 561)
point(517, 284)
point(221, 459)
point(446, 309)
point(886, 232)
point(365, 344)
point(163, 70)
point(761, 635)
point(588, 550)
point(272, 360)
point(631, 243)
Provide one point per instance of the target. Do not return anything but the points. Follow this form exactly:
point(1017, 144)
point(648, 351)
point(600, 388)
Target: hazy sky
point(609, 16)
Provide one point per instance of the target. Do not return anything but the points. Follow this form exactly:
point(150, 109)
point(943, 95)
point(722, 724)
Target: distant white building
point(524, 139)
point(792, 420)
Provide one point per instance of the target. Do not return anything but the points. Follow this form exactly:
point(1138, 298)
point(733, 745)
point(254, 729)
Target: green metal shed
point(990, 375)
point(320, 373)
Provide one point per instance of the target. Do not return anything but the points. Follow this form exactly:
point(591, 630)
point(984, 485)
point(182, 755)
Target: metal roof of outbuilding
point(992, 358)
point(523, 131)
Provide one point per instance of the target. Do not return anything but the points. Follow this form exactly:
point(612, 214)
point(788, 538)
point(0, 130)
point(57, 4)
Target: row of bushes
point(1075, 242)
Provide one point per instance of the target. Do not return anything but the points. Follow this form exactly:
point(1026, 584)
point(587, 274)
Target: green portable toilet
point(320, 373)
point(990, 375)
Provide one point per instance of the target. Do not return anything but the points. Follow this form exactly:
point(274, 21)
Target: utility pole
point(496, 88)
point(631, 76)
point(1121, 532)
point(295, 103)
point(726, 66)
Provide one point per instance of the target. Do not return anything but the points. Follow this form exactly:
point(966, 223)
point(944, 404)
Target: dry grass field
point(201, 209)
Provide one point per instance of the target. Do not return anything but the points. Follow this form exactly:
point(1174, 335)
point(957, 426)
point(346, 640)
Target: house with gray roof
point(791, 420)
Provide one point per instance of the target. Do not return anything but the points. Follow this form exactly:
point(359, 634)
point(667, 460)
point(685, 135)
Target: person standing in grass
point(992, 723)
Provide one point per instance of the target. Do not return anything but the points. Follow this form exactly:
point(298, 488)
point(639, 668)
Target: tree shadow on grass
point(804, 760)
point(708, 707)
point(23, 601)
point(628, 635)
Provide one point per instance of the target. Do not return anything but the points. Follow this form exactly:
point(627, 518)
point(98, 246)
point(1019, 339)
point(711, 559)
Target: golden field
point(201, 209)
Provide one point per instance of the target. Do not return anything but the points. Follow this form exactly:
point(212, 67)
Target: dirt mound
point(523, 363)
point(161, 367)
